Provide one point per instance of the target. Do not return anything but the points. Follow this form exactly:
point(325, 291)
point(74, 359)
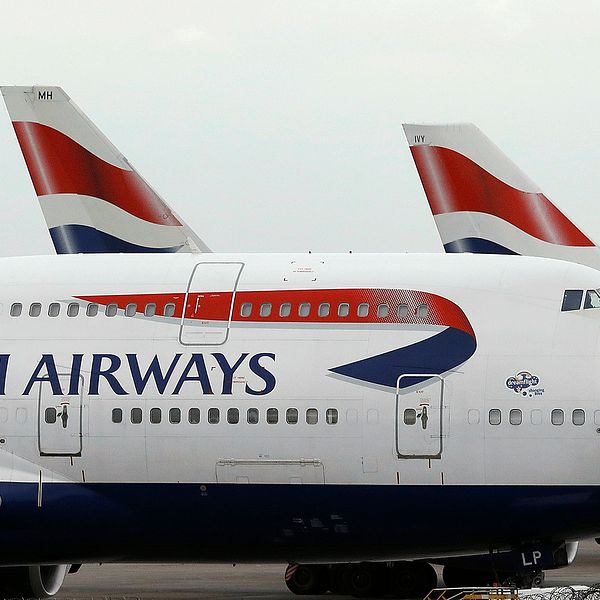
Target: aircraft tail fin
point(92, 198)
point(483, 203)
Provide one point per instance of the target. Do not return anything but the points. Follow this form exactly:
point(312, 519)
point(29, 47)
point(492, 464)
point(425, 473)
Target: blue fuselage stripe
point(264, 522)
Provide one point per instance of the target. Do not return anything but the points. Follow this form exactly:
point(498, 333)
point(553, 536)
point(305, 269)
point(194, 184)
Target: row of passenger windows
point(213, 416)
point(324, 310)
point(557, 416)
point(91, 310)
point(515, 416)
point(572, 300)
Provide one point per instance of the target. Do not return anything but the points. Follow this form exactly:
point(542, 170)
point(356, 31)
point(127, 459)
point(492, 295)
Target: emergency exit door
point(209, 303)
point(59, 420)
point(419, 416)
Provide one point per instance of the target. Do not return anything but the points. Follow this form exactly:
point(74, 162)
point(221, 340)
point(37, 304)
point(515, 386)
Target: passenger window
point(16, 309)
point(410, 416)
point(383, 310)
point(572, 300)
point(246, 309)
point(578, 417)
point(150, 309)
point(331, 416)
point(312, 416)
point(495, 416)
point(169, 310)
point(50, 415)
point(54, 309)
point(174, 416)
point(252, 416)
point(402, 311)
point(343, 309)
point(111, 309)
point(592, 299)
point(35, 310)
point(324, 309)
point(21, 415)
point(233, 416)
point(285, 309)
point(536, 416)
point(130, 310)
point(73, 309)
point(597, 417)
point(557, 417)
point(155, 415)
point(194, 416)
point(422, 311)
point(362, 310)
point(473, 416)
point(291, 416)
point(136, 415)
point(372, 416)
point(91, 310)
point(304, 309)
point(272, 416)
point(265, 309)
point(214, 416)
point(117, 415)
point(515, 416)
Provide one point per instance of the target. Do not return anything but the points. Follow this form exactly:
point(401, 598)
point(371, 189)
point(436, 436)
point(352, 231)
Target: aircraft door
point(59, 421)
point(419, 417)
point(209, 303)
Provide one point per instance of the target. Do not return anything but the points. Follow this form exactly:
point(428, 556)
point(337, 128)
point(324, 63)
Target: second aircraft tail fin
point(92, 198)
point(483, 203)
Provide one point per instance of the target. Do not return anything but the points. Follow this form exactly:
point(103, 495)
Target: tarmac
point(212, 582)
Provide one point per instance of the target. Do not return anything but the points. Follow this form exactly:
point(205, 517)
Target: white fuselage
point(373, 423)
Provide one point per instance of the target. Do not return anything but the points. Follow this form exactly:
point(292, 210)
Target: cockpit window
point(572, 300)
point(592, 299)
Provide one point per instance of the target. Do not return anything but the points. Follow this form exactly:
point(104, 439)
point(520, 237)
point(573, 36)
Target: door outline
point(42, 422)
point(185, 303)
point(441, 408)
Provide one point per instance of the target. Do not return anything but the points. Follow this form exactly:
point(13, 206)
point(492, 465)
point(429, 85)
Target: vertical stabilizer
point(483, 203)
point(93, 200)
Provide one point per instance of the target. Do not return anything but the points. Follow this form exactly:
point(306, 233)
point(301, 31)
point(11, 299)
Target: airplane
point(91, 196)
point(358, 416)
point(483, 203)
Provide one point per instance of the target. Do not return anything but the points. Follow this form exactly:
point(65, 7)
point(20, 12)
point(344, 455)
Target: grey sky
point(276, 126)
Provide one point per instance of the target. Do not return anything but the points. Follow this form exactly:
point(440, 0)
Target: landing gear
point(412, 579)
point(460, 577)
point(403, 579)
point(366, 580)
point(307, 579)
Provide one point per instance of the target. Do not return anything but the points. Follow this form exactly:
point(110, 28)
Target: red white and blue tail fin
point(483, 203)
point(93, 200)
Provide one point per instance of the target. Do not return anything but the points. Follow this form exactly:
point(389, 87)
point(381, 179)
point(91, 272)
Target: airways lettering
point(200, 373)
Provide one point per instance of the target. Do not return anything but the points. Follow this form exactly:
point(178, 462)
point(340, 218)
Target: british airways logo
point(198, 373)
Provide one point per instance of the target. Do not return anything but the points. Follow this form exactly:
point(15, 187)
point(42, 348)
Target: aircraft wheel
point(459, 577)
point(338, 584)
point(365, 580)
point(306, 579)
point(412, 579)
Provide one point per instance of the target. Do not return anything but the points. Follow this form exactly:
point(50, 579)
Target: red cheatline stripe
point(215, 306)
point(59, 165)
point(455, 183)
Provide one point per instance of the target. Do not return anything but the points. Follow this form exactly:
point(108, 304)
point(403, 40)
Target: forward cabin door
point(59, 420)
point(209, 303)
point(419, 417)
